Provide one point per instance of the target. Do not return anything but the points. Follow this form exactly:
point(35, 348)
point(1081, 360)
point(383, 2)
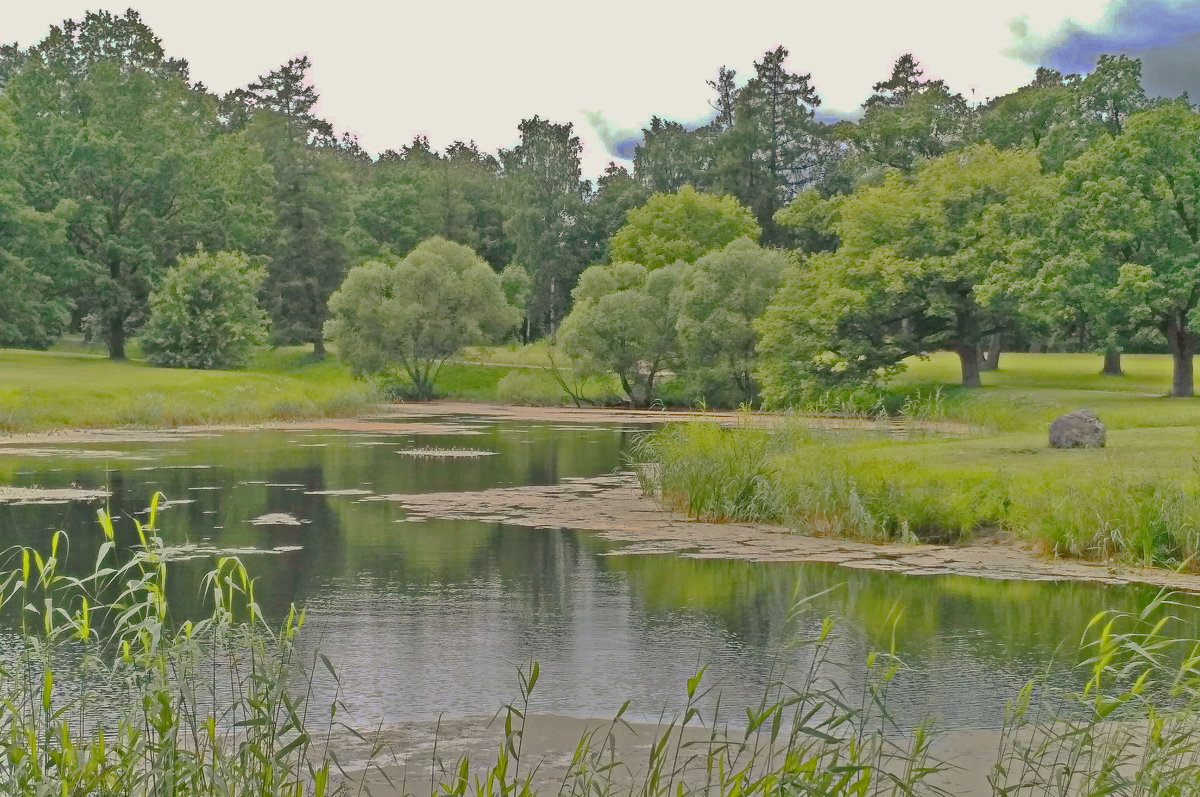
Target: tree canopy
point(415, 312)
point(681, 226)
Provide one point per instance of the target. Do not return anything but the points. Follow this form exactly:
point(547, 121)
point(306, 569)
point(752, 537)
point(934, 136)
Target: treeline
point(767, 251)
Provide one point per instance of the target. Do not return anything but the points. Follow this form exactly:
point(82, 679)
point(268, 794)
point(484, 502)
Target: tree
point(725, 103)
point(544, 208)
point(417, 311)
point(809, 221)
point(1112, 92)
point(108, 123)
point(772, 151)
point(681, 226)
point(617, 193)
point(908, 119)
point(670, 156)
point(37, 266)
point(417, 193)
point(622, 323)
point(205, 313)
point(285, 92)
point(916, 254)
point(308, 249)
point(717, 302)
point(1132, 221)
point(1031, 114)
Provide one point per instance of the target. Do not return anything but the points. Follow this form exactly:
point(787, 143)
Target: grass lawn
point(65, 388)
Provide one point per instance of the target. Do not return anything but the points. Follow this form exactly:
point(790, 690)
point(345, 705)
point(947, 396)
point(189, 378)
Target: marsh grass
point(1137, 502)
point(107, 693)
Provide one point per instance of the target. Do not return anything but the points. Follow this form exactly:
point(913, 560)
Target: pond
point(425, 617)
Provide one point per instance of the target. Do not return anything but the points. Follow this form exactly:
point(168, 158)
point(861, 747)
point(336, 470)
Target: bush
point(205, 314)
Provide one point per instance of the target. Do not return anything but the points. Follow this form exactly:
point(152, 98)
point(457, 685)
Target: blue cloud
point(619, 142)
point(1134, 27)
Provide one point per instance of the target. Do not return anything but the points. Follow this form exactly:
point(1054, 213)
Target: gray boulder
point(1078, 429)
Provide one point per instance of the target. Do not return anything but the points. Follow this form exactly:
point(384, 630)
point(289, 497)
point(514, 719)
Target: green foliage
point(37, 265)
point(623, 323)
point(915, 272)
point(716, 304)
point(108, 123)
point(681, 226)
point(530, 386)
point(515, 283)
point(416, 312)
point(1129, 227)
point(909, 119)
point(308, 253)
point(809, 220)
point(205, 313)
point(544, 193)
point(417, 193)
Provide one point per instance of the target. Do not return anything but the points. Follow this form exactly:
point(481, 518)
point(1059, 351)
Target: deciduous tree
point(415, 312)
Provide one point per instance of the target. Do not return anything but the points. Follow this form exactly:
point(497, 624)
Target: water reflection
point(432, 617)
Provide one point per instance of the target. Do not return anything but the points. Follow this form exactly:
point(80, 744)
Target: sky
point(472, 69)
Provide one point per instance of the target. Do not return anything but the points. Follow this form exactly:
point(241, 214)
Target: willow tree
point(416, 312)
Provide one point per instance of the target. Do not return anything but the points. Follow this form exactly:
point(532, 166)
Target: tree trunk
point(116, 339)
point(1183, 349)
point(968, 357)
point(990, 360)
point(319, 346)
point(1112, 363)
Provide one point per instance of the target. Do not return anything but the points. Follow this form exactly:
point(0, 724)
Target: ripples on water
point(434, 617)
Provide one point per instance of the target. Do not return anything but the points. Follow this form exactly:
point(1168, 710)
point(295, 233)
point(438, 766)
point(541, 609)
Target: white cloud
point(473, 69)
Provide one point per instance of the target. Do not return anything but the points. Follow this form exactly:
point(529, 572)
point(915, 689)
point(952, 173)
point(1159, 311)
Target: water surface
point(433, 617)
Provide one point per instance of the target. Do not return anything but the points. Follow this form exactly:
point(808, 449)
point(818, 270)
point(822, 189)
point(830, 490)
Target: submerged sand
point(408, 756)
point(614, 508)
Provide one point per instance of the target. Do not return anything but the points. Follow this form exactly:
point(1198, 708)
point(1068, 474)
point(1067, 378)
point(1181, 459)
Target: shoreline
point(614, 508)
point(406, 761)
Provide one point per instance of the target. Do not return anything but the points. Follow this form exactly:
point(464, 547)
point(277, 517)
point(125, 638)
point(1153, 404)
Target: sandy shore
point(408, 760)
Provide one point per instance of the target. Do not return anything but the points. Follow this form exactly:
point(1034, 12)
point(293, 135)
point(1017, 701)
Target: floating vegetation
point(49, 495)
point(277, 519)
point(81, 453)
point(446, 453)
point(180, 553)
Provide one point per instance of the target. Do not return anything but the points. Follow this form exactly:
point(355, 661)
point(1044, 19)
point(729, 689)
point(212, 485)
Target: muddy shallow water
point(427, 597)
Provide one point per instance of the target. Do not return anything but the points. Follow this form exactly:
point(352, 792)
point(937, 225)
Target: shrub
point(205, 314)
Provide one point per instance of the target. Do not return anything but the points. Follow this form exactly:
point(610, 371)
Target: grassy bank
point(48, 390)
point(1136, 501)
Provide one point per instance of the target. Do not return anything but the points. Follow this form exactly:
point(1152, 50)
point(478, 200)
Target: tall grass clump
point(1139, 520)
point(107, 693)
point(1130, 506)
point(1133, 729)
point(711, 472)
point(816, 483)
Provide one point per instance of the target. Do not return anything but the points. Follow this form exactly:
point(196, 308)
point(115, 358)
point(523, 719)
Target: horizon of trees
point(1058, 215)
